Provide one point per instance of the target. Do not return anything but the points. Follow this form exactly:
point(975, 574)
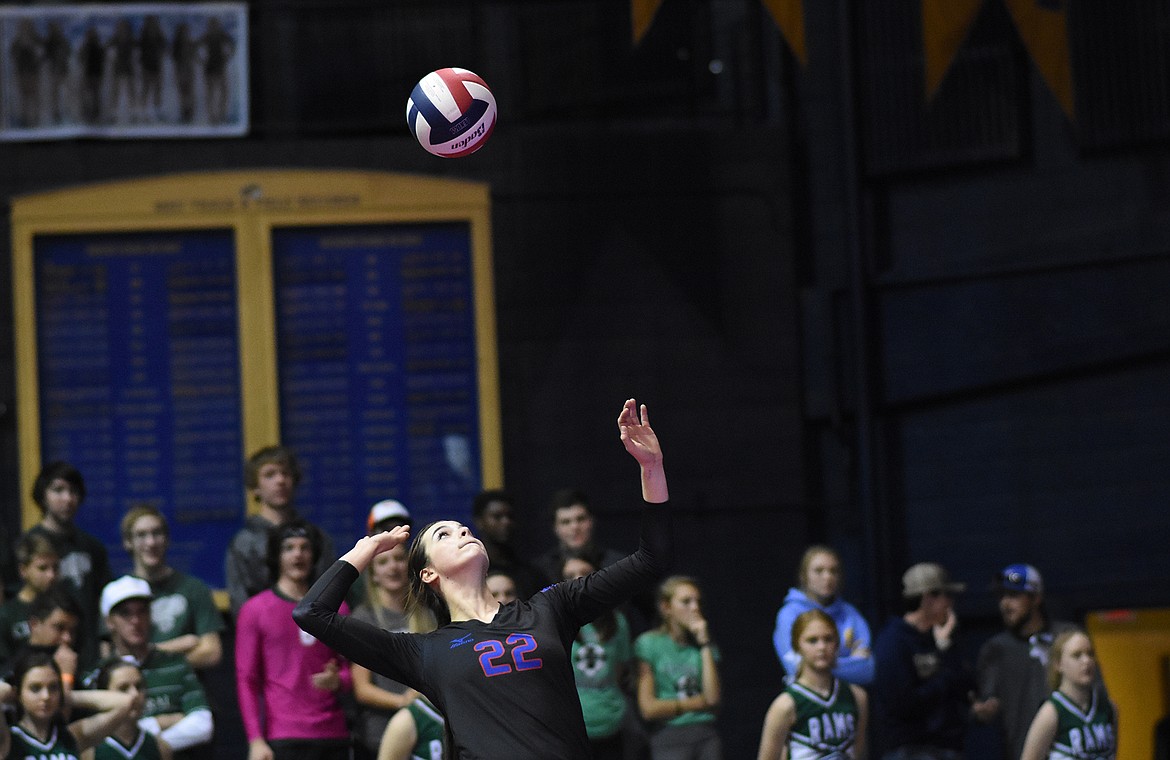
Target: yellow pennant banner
point(788, 15)
point(642, 16)
point(945, 24)
point(1041, 24)
point(1043, 27)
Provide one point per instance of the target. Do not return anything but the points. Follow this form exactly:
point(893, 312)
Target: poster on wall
point(123, 71)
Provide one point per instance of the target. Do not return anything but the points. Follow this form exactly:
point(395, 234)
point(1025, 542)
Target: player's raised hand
point(637, 435)
point(368, 547)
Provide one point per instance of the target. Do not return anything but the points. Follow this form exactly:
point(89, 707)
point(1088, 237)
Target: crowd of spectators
point(130, 655)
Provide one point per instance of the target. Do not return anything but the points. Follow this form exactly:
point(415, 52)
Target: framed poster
point(123, 71)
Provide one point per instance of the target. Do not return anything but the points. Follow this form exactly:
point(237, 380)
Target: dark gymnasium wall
point(916, 332)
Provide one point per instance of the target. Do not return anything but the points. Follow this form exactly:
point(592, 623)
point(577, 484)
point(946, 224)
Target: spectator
point(416, 732)
point(818, 715)
point(127, 741)
point(37, 563)
point(52, 629)
point(387, 515)
point(289, 682)
point(601, 657)
point(501, 586)
point(272, 475)
point(379, 697)
point(176, 707)
point(1077, 720)
point(59, 491)
point(492, 514)
point(678, 677)
point(572, 520)
point(41, 730)
point(921, 687)
point(820, 583)
point(1012, 667)
point(383, 516)
point(183, 615)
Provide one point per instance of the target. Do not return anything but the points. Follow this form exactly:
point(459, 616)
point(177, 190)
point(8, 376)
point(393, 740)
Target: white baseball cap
point(387, 510)
point(126, 587)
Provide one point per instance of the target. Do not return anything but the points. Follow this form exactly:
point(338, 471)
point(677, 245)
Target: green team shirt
point(430, 727)
point(182, 604)
point(144, 747)
point(171, 684)
point(678, 672)
point(1088, 735)
point(595, 666)
point(13, 627)
point(825, 727)
point(59, 746)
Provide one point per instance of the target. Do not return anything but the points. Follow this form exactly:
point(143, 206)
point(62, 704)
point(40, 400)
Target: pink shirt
point(275, 661)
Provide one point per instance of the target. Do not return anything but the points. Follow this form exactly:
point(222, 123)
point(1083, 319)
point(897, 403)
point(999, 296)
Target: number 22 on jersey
point(494, 658)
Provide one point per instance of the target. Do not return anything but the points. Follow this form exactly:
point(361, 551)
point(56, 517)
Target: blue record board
point(167, 328)
point(138, 362)
point(376, 357)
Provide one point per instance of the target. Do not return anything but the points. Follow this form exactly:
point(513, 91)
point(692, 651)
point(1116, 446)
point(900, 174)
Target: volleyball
point(451, 112)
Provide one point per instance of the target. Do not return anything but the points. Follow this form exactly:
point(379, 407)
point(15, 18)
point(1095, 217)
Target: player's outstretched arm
point(642, 443)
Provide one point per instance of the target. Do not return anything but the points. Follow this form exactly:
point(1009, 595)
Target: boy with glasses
point(183, 615)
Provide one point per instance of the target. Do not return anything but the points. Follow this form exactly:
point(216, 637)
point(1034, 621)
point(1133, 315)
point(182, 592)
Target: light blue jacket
point(854, 633)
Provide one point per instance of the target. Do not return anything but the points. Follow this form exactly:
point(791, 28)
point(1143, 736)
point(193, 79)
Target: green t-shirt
point(596, 667)
point(678, 672)
point(13, 627)
point(429, 726)
point(182, 604)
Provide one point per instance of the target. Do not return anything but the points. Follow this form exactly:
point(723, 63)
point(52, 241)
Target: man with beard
point(1011, 670)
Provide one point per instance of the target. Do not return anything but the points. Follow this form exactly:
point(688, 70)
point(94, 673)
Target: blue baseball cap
point(1020, 577)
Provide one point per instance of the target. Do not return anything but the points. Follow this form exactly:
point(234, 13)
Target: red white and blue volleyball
point(451, 112)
